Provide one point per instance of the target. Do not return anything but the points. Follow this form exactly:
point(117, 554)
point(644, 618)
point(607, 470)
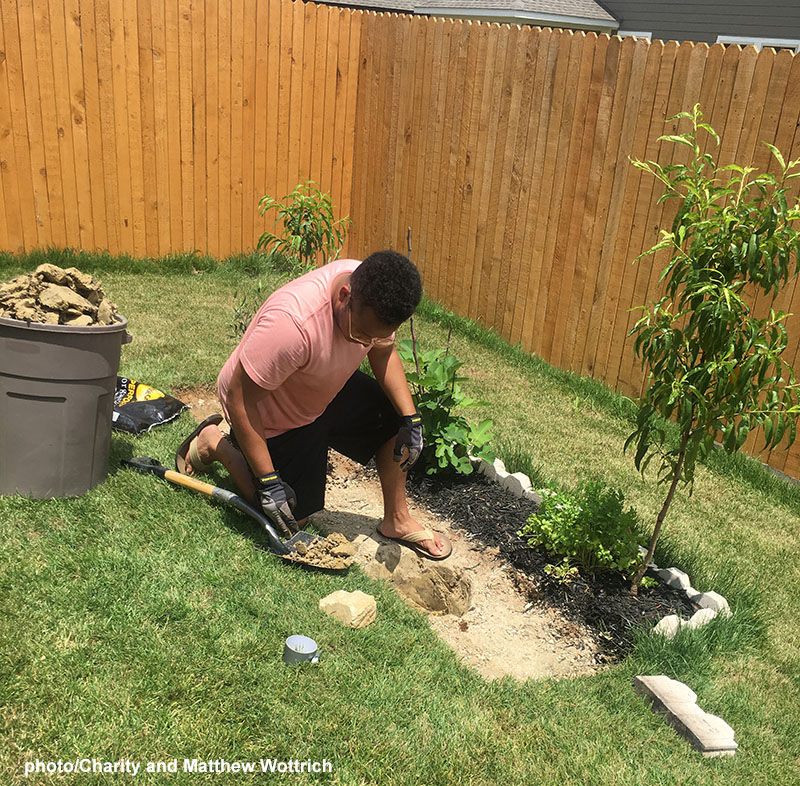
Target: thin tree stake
point(414, 345)
point(411, 321)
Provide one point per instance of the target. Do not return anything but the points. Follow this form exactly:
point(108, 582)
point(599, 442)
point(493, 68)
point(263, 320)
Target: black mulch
point(602, 603)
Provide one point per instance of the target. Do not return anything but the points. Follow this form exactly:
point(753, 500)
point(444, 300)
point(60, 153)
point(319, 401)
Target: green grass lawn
point(139, 622)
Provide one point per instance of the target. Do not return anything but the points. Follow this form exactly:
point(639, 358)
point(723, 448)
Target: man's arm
point(389, 372)
point(243, 398)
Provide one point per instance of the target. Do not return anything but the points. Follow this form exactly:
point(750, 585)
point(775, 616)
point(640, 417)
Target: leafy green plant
point(714, 367)
point(449, 437)
point(310, 231)
point(589, 528)
point(563, 572)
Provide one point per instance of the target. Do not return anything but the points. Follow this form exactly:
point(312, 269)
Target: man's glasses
point(372, 342)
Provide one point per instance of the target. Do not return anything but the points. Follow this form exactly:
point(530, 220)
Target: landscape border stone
point(711, 603)
point(707, 733)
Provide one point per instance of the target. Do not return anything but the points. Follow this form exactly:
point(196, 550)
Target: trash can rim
point(120, 323)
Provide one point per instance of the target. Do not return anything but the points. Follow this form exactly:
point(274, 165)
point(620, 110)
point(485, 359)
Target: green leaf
point(768, 429)
point(777, 153)
point(681, 140)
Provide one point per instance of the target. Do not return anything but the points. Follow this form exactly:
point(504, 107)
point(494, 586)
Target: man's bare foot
point(401, 525)
point(208, 447)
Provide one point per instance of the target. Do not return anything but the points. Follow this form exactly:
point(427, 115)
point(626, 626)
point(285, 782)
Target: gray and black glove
point(410, 437)
point(277, 499)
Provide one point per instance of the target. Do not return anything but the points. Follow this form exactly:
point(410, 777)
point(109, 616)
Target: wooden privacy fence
point(505, 150)
point(153, 128)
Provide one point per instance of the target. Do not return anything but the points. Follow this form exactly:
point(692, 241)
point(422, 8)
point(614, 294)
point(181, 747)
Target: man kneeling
point(291, 389)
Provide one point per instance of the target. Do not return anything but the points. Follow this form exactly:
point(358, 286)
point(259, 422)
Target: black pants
point(356, 423)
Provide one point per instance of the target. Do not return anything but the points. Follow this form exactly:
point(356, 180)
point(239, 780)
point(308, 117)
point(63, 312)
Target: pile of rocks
point(54, 296)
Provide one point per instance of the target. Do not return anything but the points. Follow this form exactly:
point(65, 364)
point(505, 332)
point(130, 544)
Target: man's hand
point(277, 499)
point(409, 437)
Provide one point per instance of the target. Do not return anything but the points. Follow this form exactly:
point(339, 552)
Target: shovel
point(147, 465)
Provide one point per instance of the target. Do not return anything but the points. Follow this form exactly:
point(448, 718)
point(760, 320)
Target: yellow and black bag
point(139, 407)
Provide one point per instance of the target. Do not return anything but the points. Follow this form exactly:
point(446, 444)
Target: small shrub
point(309, 230)
point(588, 528)
point(715, 368)
point(449, 437)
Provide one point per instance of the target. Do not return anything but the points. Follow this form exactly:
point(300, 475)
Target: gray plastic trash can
point(56, 401)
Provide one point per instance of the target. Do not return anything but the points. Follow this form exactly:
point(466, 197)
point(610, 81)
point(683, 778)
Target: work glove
point(277, 499)
point(410, 437)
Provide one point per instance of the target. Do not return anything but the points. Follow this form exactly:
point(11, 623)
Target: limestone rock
point(702, 617)
point(495, 470)
point(16, 286)
point(105, 312)
point(26, 309)
point(51, 295)
point(82, 282)
point(517, 483)
point(59, 298)
point(52, 273)
point(669, 626)
point(673, 577)
point(83, 320)
point(712, 600)
point(532, 496)
point(354, 609)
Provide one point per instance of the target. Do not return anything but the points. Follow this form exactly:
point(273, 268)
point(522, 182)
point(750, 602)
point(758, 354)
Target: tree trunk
point(662, 515)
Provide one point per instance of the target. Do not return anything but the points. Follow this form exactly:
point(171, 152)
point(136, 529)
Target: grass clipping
point(52, 295)
point(334, 552)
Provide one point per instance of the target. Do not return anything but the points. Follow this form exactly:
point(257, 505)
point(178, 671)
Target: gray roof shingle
point(583, 9)
point(586, 9)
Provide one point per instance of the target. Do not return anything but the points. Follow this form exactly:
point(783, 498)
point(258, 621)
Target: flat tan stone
point(354, 609)
point(52, 273)
point(83, 282)
point(84, 320)
point(60, 298)
point(105, 312)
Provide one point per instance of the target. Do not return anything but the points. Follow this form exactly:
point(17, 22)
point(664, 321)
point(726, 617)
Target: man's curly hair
point(390, 284)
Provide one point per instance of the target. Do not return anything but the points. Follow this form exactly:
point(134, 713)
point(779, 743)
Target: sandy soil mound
point(334, 552)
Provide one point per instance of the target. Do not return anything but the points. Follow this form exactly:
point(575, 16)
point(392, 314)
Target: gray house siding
point(704, 20)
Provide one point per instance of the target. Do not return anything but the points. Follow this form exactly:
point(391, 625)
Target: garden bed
point(589, 619)
point(603, 603)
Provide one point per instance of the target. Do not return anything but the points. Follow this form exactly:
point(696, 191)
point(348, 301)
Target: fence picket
point(87, 98)
point(473, 164)
point(185, 67)
point(553, 317)
point(239, 113)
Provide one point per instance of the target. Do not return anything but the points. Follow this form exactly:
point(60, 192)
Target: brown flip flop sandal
point(413, 540)
point(188, 448)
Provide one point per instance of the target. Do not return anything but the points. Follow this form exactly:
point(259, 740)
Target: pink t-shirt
point(293, 348)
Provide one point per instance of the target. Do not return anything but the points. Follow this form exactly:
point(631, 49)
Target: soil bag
point(139, 407)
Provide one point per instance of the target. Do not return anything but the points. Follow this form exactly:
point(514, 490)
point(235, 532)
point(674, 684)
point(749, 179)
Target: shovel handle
point(189, 482)
point(149, 465)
